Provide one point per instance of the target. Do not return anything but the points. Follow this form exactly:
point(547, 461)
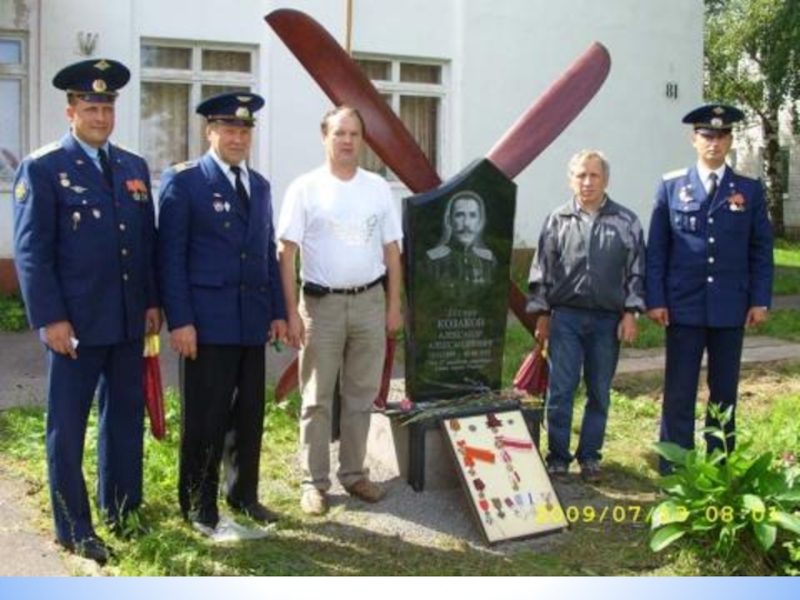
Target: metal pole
point(349, 28)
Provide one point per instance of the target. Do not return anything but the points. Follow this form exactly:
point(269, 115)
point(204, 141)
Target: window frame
point(396, 89)
point(196, 78)
point(19, 72)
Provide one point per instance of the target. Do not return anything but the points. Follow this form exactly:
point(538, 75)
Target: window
point(13, 77)
point(176, 77)
point(416, 91)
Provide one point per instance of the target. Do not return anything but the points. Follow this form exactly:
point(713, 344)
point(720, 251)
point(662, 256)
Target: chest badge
point(736, 202)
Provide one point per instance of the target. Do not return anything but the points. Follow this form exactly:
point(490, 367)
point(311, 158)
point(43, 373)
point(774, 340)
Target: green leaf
point(669, 512)
point(754, 503)
point(666, 536)
point(786, 521)
point(672, 452)
point(765, 535)
point(790, 496)
point(758, 468)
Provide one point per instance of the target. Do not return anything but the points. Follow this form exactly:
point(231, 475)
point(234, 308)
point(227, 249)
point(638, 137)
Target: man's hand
point(278, 332)
point(59, 337)
point(542, 329)
point(152, 320)
point(627, 330)
point(757, 315)
point(184, 341)
point(295, 331)
point(659, 315)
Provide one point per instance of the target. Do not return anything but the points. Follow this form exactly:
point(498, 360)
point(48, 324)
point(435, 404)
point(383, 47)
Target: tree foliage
point(752, 54)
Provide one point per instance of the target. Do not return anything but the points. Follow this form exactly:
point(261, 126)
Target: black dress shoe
point(92, 548)
point(259, 513)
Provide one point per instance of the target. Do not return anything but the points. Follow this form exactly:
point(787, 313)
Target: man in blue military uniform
point(223, 301)
point(709, 274)
point(84, 239)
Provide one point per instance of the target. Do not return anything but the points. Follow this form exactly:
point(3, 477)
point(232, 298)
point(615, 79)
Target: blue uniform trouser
point(578, 338)
point(118, 369)
point(685, 347)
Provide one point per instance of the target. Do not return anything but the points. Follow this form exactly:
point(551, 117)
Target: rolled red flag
point(153, 390)
point(533, 374)
point(386, 376)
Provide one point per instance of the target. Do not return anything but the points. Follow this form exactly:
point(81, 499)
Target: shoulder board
point(128, 150)
point(184, 165)
point(438, 252)
point(675, 174)
point(483, 253)
point(746, 177)
point(46, 150)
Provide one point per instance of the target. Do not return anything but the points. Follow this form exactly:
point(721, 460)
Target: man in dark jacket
point(223, 301)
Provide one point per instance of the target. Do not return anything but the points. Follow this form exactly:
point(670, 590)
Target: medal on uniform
point(218, 206)
point(685, 194)
point(96, 213)
point(227, 206)
point(76, 218)
point(736, 202)
point(64, 180)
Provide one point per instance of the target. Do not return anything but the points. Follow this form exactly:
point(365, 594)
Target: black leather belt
point(315, 290)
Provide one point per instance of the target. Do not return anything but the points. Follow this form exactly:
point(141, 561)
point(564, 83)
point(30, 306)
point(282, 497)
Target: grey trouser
point(347, 333)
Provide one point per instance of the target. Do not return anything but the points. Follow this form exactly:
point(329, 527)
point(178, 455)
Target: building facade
point(459, 72)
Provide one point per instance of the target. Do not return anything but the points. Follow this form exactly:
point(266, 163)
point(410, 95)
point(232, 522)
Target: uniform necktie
point(106, 167)
point(241, 191)
point(712, 187)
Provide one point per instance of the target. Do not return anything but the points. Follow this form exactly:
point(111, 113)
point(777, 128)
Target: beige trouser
point(348, 333)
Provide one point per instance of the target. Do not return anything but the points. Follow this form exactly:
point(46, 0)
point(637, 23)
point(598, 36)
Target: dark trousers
point(223, 392)
point(685, 347)
point(118, 369)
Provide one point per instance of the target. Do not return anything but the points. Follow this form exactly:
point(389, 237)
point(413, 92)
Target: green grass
point(332, 546)
point(12, 314)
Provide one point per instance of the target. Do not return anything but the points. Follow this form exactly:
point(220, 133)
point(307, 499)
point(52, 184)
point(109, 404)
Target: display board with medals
point(504, 476)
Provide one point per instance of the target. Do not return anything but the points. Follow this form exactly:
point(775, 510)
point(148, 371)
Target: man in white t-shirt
point(343, 220)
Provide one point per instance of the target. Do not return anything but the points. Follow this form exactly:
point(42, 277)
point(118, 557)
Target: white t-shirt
point(340, 226)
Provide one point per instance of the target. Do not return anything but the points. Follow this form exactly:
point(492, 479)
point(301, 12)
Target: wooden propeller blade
point(544, 121)
point(344, 83)
point(288, 380)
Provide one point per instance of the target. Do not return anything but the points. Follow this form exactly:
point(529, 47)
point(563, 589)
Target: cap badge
point(99, 85)
point(718, 110)
point(716, 122)
point(102, 65)
point(243, 112)
point(243, 99)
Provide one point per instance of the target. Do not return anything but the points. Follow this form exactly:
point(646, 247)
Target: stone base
point(419, 453)
point(389, 452)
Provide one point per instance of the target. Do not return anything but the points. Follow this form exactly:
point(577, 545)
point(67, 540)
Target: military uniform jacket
point(709, 261)
point(84, 252)
point(218, 268)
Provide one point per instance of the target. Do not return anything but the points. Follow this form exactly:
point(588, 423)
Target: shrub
point(733, 504)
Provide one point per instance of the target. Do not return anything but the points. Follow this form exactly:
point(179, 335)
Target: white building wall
point(502, 56)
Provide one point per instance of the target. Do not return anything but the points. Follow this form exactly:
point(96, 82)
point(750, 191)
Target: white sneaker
point(228, 530)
